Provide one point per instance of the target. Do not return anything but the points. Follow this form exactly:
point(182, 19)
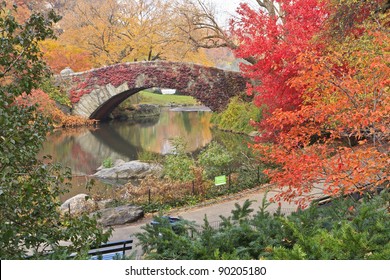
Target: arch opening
point(103, 112)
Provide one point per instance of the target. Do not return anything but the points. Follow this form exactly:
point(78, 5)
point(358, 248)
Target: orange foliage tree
point(59, 56)
point(47, 107)
point(338, 139)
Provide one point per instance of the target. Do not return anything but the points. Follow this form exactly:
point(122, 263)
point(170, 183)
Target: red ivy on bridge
point(212, 86)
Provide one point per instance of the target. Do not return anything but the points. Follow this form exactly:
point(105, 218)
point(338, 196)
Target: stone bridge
point(95, 93)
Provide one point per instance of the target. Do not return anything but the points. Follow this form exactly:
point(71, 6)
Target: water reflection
point(83, 150)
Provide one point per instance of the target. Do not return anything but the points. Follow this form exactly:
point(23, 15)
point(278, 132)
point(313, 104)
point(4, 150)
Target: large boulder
point(106, 203)
point(116, 163)
point(119, 215)
point(79, 204)
point(129, 170)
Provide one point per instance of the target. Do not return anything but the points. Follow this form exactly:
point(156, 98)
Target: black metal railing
point(111, 250)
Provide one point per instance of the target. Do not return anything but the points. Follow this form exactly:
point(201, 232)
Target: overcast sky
point(228, 7)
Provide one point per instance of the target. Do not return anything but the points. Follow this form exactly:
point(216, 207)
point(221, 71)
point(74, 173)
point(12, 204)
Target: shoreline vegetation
point(198, 190)
point(236, 118)
point(186, 179)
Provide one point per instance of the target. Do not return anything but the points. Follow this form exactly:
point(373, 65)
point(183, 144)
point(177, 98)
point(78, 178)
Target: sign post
point(220, 180)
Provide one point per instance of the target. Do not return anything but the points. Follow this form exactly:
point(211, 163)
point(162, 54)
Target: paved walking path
point(212, 209)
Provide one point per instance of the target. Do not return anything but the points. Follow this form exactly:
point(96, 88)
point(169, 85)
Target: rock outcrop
point(129, 170)
point(119, 215)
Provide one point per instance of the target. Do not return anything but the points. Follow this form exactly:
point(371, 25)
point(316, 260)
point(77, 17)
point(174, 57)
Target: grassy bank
point(146, 97)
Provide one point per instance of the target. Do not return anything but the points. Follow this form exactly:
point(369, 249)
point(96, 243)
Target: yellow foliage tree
point(122, 31)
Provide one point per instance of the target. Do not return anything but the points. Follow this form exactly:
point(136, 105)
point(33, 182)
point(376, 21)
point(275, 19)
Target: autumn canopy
point(319, 70)
point(322, 71)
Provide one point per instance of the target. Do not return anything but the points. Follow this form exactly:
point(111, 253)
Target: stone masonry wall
point(97, 92)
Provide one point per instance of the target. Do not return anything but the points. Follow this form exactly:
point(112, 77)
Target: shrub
point(178, 166)
point(215, 160)
point(47, 107)
point(147, 156)
point(55, 93)
point(107, 163)
point(345, 229)
point(238, 116)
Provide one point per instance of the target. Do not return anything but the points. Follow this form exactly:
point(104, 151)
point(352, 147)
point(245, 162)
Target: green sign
point(220, 180)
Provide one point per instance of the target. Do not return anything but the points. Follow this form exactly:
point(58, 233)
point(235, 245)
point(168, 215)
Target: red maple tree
point(274, 40)
point(322, 72)
point(338, 139)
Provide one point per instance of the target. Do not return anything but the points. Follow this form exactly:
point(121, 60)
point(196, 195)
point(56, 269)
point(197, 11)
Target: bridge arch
point(96, 93)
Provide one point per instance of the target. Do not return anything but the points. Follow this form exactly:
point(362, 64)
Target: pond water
point(84, 149)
